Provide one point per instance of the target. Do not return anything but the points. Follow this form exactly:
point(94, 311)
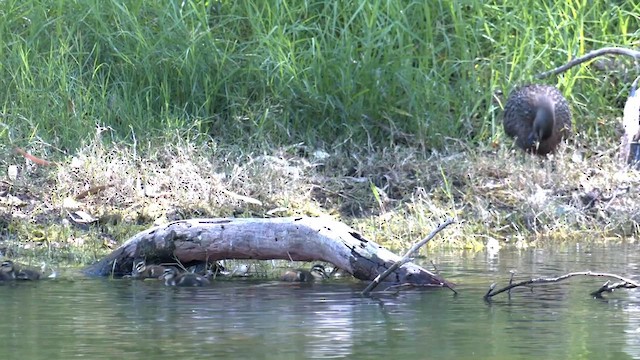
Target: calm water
point(99, 318)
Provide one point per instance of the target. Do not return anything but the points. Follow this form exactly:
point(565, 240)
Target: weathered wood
point(405, 258)
point(298, 239)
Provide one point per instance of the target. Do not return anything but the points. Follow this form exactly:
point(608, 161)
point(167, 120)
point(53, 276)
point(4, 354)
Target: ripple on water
point(99, 318)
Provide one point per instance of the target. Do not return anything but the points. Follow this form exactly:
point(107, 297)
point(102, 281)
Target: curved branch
point(593, 54)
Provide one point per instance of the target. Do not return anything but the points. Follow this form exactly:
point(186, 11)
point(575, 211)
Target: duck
point(6, 271)
point(173, 278)
point(538, 118)
point(317, 272)
point(143, 271)
point(9, 271)
point(28, 274)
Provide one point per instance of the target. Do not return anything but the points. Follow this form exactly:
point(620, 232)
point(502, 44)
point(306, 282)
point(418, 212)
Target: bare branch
point(591, 55)
point(608, 287)
point(406, 257)
point(624, 283)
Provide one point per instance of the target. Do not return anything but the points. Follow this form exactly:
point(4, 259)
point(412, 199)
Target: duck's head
point(169, 273)
point(318, 271)
point(543, 124)
point(139, 267)
point(6, 266)
point(7, 270)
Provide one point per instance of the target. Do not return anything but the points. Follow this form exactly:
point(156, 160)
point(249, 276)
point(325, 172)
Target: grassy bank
point(388, 72)
point(385, 114)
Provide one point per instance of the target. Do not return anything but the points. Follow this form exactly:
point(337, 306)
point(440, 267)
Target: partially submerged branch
point(607, 287)
point(406, 257)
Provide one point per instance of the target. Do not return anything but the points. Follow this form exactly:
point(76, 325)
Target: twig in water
point(608, 287)
point(435, 267)
point(113, 268)
point(406, 257)
point(624, 283)
point(513, 273)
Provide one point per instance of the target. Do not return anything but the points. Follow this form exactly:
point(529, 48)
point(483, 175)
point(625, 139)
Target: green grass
point(280, 72)
point(274, 108)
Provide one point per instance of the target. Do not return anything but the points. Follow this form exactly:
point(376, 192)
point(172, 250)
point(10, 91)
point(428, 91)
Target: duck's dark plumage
point(173, 278)
point(6, 271)
point(10, 271)
point(538, 117)
point(317, 272)
point(144, 271)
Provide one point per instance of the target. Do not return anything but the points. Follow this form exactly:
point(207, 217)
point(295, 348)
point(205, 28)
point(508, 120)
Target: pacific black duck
point(173, 278)
point(538, 117)
point(10, 271)
point(317, 272)
point(6, 271)
point(143, 271)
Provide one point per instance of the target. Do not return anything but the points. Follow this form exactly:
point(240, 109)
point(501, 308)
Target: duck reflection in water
point(317, 272)
point(173, 278)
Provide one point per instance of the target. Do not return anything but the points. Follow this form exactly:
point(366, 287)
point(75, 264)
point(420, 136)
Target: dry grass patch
point(101, 196)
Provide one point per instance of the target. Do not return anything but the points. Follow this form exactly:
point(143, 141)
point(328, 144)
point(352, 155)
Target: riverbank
point(385, 115)
point(78, 209)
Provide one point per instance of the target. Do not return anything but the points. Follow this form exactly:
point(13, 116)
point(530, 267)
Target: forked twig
point(607, 287)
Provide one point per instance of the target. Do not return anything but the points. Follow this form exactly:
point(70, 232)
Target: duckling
point(173, 278)
point(6, 271)
point(27, 274)
point(317, 272)
point(9, 271)
point(336, 273)
point(144, 271)
point(538, 117)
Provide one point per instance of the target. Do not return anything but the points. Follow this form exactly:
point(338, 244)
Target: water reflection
point(100, 318)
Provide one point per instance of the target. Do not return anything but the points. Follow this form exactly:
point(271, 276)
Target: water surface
point(106, 319)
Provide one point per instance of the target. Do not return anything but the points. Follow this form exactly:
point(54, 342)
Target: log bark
point(293, 238)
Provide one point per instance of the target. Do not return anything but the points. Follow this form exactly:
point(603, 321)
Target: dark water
point(100, 318)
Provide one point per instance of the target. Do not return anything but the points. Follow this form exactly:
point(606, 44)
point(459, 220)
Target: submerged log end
point(416, 275)
point(111, 265)
point(408, 273)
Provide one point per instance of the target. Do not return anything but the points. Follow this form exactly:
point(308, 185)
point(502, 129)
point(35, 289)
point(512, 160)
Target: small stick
point(113, 268)
point(92, 191)
point(406, 257)
point(34, 159)
point(513, 273)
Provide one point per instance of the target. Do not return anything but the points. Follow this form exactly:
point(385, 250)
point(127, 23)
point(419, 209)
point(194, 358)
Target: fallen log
point(293, 238)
